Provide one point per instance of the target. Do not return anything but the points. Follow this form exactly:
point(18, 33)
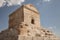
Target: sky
point(49, 13)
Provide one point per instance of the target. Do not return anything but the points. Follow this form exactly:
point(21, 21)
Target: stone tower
point(25, 18)
point(27, 14)
point(24, 24)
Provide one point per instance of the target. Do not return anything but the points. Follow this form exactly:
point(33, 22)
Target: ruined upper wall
point(18, 16)
point(31, 8)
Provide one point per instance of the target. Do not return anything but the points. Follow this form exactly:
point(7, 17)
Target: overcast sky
point(49, 12)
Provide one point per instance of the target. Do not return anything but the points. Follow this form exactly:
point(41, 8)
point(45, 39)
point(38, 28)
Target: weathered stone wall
point(16, 18)
point(35, 38)
point(29, 14)
point(12, 34)
point(9, 34)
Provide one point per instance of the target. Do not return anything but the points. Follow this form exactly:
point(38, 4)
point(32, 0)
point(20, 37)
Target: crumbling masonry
point(24, 24)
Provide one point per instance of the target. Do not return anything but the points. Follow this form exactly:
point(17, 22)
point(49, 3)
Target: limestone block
point(38, 38)
point(24, 37)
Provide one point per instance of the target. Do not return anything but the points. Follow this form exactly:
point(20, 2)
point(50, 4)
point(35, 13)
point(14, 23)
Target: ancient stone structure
point(24, 24)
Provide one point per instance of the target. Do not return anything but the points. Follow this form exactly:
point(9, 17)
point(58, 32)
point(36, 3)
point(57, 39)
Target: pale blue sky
point(49, 11)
